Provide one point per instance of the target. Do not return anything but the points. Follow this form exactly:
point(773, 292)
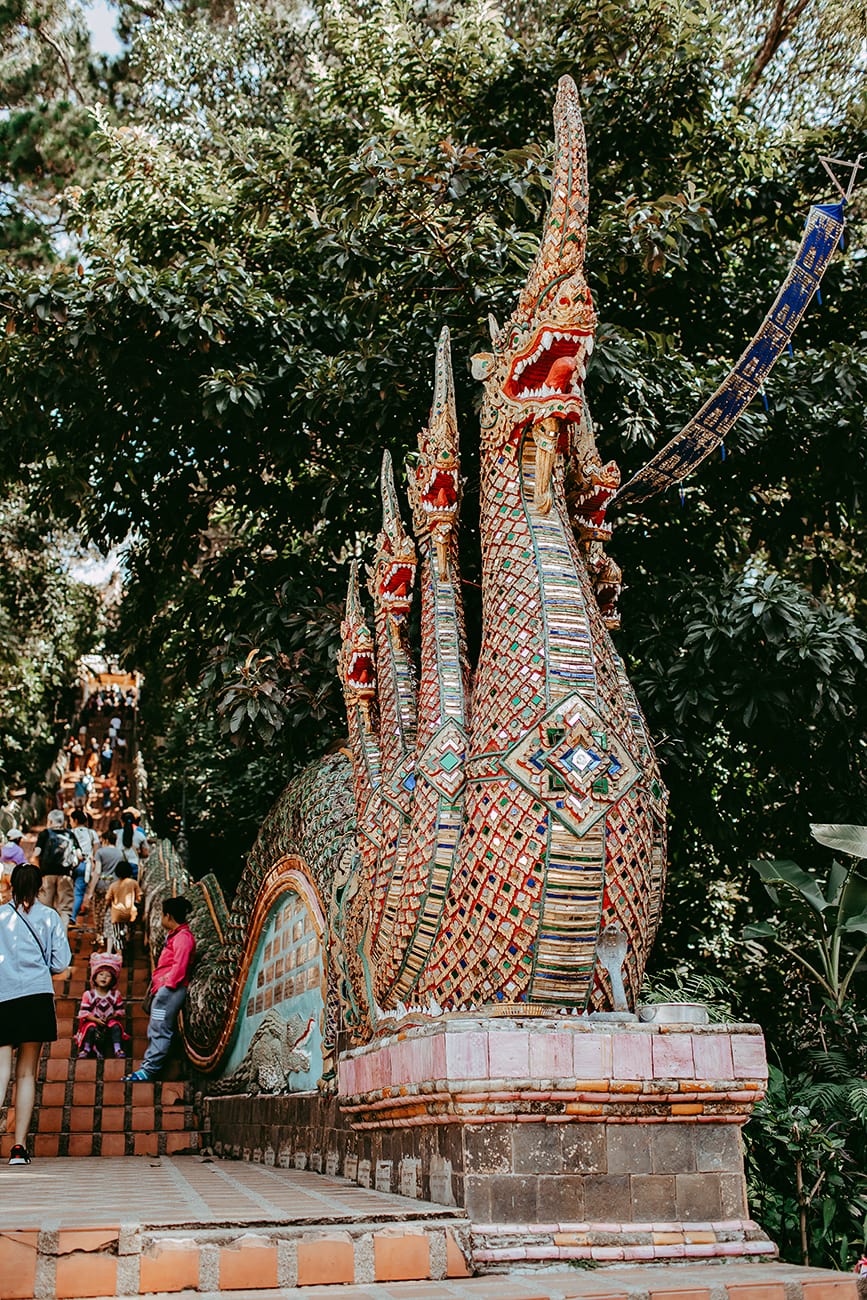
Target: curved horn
point(443, 422)
point(561, 252)
point(392, 524)
point(354, 608)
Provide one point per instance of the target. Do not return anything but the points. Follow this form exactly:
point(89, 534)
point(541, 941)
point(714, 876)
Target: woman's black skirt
point(28, 1020)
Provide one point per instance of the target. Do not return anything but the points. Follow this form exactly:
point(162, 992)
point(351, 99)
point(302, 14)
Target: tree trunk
point(802, 1213)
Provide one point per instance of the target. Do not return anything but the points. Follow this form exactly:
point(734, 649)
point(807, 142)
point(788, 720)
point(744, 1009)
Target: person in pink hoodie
point(169, 984)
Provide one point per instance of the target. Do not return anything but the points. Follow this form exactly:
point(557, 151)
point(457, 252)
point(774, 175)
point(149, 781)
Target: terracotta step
point(138, 1143)
point(221, 1250)
point(83, 1107)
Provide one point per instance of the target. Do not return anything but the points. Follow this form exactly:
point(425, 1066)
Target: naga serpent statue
point(493, 833)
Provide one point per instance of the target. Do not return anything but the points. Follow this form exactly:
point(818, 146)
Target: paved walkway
point(182, 1191)
point(652, 1282)
point(655, 1282)
point(194, 1227)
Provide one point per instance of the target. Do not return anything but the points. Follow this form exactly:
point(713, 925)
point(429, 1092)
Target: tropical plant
point(834, 912)
point(679, 984)
point(47, 621)
point(807, 1142)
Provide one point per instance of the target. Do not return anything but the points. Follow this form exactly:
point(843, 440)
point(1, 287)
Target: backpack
point(60, 856)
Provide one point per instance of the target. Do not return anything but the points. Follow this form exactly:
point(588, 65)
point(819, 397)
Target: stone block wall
point(308, 1131)
point(543, 1173)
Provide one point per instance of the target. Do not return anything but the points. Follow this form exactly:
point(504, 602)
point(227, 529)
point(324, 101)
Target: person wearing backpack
point(131, 840)
point(56, 855)
point(87, 841)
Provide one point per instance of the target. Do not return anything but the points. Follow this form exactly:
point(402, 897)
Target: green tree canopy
point(48, 620)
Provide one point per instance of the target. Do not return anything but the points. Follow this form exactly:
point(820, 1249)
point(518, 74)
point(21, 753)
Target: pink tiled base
point(581, 1069)
point(626, 1254)
point(512, 1243)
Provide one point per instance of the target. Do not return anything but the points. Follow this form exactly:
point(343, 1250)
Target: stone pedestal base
point(568, 1140)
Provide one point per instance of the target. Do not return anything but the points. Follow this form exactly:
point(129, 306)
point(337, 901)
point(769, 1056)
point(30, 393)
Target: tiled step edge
point(653, 1285)
point(74, 1263)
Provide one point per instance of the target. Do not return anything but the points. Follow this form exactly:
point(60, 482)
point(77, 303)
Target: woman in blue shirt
point(33, 947)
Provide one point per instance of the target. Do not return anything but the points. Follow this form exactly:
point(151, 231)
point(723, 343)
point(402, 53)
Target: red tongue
point(401, 590)
point(442, 498)
point(559, 376)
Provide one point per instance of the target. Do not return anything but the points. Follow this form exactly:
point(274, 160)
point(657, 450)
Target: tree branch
point(780, 28)
point(52, 44)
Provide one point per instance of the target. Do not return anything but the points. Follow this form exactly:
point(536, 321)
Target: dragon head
point(535, 374)
point(392, 573)
point(357, 662)
point(434, 485)
point(590, 485)
point(607, 578)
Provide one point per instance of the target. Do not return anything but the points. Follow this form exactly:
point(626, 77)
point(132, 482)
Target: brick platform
point(132, 1227)
point(563, 1137)
point(188, 1225)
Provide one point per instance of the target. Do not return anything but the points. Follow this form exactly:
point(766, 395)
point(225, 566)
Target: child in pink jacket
point(101, 1013)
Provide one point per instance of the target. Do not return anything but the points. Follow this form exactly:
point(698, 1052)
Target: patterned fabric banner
point(706, 431)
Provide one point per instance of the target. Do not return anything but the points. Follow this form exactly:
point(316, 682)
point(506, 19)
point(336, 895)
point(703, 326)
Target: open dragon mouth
point(607, 597)
point(441, 495)
point(361, 674)
point(396, 585)
point(552, 368)
point(592, 505)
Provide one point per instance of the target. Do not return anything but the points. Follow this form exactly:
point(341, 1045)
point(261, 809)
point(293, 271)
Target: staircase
point(82, 1107)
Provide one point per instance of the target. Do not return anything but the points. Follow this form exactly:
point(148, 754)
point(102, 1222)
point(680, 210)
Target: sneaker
point(19, 1155)
point(118, 1051)
point(138, 1076)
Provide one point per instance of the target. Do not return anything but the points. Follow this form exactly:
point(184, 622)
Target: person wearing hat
point(11, 856)
point(101, 1013)
point(12, 850)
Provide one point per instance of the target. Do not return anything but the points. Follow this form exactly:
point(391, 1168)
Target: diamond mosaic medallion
point(442, 763)
point(573, 763)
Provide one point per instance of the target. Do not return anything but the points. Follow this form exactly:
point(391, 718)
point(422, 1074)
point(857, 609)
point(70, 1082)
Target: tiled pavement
point(99, 1227)
point(655, 1282)
point(649, 1282)
point(190, 1226)
point(188, 1190)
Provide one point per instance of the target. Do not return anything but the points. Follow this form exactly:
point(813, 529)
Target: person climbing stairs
point(83, 1107)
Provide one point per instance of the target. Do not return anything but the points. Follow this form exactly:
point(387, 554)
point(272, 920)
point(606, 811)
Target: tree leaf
point(759, 930)
point(789, 873)
point(843, 838)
